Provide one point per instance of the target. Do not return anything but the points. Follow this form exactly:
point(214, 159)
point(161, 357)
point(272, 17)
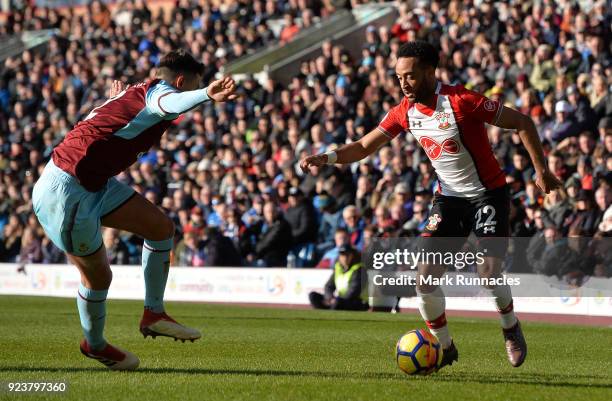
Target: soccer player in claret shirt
point(449, 123)
point(77, 194)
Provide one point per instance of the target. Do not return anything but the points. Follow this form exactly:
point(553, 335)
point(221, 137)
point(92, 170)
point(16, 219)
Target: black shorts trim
point(67, 234)
point(89, 254)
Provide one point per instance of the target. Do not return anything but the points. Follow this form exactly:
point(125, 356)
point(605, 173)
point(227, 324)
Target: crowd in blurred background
point(228, 174)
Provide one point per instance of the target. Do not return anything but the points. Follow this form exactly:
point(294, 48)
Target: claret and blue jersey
point(77, 188)
point(112, 136)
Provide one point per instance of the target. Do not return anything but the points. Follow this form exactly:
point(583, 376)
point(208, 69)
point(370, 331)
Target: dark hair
point(425, 52)
point(180, 61)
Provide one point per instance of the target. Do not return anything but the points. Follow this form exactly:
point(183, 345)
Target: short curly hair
point(181, 61)
point(424, 51)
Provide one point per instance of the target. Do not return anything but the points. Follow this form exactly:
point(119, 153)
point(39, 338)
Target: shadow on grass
point(526, 378)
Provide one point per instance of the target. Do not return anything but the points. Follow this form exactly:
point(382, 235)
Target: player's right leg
point(432, 305)
point(139, 216)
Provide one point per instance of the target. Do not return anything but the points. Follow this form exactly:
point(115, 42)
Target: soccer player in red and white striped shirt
point(449, 123)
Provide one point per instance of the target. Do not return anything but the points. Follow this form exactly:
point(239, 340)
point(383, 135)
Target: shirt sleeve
point(391, 124)
point(167, 102)
point(476, 106)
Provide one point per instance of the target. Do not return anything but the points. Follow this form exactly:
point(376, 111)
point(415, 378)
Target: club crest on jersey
point(434, 149)
point(443, 120)
point(433, 222)
point(490, 105)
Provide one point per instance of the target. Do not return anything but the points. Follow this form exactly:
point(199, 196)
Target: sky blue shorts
point(69, 214)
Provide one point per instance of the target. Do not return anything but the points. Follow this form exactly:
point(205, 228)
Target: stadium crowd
point(227, 173)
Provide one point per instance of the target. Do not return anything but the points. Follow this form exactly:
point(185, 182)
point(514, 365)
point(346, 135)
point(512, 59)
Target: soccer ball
point(418, 352)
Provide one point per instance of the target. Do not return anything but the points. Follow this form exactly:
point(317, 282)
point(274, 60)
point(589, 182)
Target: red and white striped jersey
point(454, 138)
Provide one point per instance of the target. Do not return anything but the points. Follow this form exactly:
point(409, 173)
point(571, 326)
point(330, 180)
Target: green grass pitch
point(282, 354)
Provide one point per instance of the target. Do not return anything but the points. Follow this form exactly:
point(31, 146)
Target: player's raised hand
point(313, 161)
point(547, 181)
point(222, 89)
point(116, 88)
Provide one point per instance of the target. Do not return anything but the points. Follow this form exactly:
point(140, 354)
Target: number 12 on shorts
point(488, 226)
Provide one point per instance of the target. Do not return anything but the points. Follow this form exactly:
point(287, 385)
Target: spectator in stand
point(196, 222)
point(329, 221)
point(585, 115)
point(414, 226)
point(51, 253)
point(116, 250)
point(273, 238)
point(341, 238)
point(558, 209)
point(352, 222)
point(31, 250)
point(219, 250)
point(189, 251)
point(586, 218)
point(290, 28)
point(302, 219)
point(10, 248)
point(565, 124)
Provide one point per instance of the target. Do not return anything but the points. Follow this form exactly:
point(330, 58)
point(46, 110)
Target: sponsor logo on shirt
point(434, 149)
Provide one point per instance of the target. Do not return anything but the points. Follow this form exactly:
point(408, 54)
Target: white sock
point(503, 300)
point(432, 307)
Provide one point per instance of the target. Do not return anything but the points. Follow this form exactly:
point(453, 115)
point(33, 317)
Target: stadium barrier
point(250, 285)
point(281, 62)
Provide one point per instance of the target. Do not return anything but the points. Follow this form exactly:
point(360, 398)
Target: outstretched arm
point(512, 119)
point(350, 153)
point(181, 102)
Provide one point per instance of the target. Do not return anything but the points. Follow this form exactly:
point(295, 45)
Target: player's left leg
point(69, 215)
point(96, 277)
point(516, 346)
point(139, 216)
point(492, 226)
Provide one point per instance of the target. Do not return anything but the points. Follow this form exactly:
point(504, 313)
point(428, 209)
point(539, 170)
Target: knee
point(164, 230)
point(424, 289)
point(169, 228)
point(100, 280)
point(106, 278)
point(488, 274)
